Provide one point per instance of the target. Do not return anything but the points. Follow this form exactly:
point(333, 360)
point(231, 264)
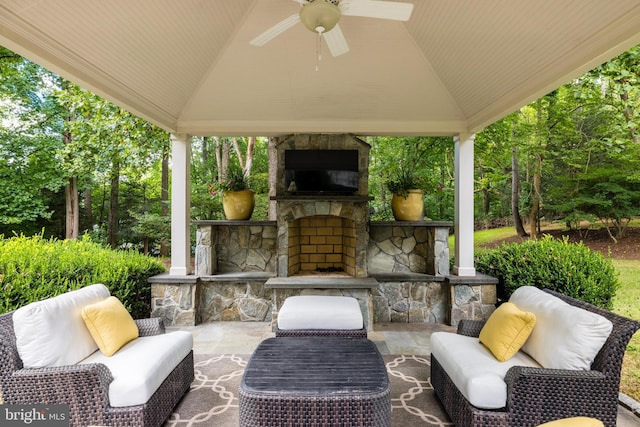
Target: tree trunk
point(629, 116)
point(112, 233)
point(222, 158)
point(248, 164)
point(515, 194)
point(164, 197)
point(535, 203)
point(88, 208)
point(72, 206)
point(236, 148)
point(72, 209)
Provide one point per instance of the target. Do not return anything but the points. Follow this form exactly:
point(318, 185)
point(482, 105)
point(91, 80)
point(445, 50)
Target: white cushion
point(320, 312)
point(142, 365)
point(565, 336)
point(51, 332)
point(477, 374)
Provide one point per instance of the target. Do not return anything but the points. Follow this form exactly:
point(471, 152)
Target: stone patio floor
point(391, 338)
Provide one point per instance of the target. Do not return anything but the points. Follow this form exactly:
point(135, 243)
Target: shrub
point(34, 268)
point(570, 268)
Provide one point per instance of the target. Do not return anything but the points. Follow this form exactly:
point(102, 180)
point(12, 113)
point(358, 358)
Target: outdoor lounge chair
point(87, 386)
point(536, 395)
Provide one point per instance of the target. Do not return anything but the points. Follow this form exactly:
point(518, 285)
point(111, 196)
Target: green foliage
point(235, 181)
point(403, 180)
point(401, 163)
point(570, 268)
point(32, 269)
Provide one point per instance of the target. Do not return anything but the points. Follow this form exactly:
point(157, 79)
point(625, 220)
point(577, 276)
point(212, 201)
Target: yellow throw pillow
point(110, 324)
point(506, 330)
point(574, 422)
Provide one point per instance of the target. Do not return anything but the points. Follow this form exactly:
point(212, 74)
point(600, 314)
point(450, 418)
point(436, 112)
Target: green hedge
point(570, 268)
point(34, 268)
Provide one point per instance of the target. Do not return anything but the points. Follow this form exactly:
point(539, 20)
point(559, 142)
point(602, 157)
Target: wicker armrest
point(561, 392)
point(150, 326)
point(470, 328)
point(77, 385)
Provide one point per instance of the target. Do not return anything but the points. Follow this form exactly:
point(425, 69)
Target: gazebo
point(193, 67)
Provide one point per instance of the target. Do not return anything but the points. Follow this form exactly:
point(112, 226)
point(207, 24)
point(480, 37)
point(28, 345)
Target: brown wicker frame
point(538, 395)
point(85, 388)
point(315, 381)
point(346, 333)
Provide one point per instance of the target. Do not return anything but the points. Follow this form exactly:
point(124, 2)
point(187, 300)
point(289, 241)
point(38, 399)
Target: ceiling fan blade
point(336, 42)
point(276, 30)
point(377, 9)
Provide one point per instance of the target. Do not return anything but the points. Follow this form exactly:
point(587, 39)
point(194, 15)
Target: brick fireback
point(322, 243)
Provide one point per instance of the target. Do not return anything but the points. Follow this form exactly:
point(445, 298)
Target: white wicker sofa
point(48, 355)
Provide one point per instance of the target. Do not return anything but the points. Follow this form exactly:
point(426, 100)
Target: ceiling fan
point(322, 16)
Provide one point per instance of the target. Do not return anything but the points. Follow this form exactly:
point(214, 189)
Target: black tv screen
point(321, 171)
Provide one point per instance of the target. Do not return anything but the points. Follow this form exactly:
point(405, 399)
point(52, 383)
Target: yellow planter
point(238, 205)
point(410, 208)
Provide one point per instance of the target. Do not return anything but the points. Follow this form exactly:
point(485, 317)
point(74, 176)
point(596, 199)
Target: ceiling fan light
point(320, 13)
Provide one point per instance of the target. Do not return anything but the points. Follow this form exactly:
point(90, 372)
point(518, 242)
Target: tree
point(29, 144)
point(107, 143)
point(497, 175)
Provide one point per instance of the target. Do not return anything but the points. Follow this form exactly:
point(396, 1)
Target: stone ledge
point(478, 279)
point(248, 276)
point(333, 282)
point(412, 223)
point(166, 278)
point(226, 223)
point(406, 277)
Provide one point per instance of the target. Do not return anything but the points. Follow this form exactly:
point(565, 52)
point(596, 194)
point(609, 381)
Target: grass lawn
point(626, 303)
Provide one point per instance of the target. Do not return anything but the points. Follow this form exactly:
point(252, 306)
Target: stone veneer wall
point(235, 246)
point(188, 302)
point(471, 297)
point(407, 246)
point(409, 260)
point(238, 300)
point(411, 301)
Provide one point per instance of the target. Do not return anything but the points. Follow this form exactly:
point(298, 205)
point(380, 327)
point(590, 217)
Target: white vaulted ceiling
point(187, 65)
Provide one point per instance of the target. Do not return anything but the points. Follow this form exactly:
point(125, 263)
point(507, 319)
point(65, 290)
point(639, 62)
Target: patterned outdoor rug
point(213, 398)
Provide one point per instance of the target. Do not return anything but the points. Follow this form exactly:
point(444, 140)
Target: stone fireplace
point(321, 241)
point(322, 205)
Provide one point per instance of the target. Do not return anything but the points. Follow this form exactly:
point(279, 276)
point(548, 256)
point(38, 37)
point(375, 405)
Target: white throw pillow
point(565, 336)
point(52, 333)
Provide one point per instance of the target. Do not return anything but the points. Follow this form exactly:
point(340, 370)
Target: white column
point(463, 223)
point(180, 205)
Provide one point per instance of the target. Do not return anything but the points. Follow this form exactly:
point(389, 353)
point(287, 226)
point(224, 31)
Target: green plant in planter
point(235, 181)
point(403, 180)
point(238, 200)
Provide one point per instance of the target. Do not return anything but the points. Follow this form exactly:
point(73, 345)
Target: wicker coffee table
point(319, 381)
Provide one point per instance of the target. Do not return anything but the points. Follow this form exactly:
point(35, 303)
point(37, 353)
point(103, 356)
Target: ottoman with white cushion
point(320, 315)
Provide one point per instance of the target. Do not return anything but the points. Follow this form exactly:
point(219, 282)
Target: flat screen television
point(321, 171)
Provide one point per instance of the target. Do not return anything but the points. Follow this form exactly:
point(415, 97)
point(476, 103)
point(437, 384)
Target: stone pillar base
point(471, 297)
